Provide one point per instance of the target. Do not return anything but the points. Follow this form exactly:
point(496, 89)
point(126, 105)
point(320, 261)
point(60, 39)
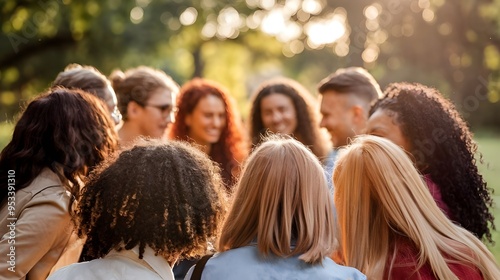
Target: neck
point(201, 145)
point(205, 148)
point(128, 133)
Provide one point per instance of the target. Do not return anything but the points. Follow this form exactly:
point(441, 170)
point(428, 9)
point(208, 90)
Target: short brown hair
point(352, 80)
point(137, 84)
point(87, 78)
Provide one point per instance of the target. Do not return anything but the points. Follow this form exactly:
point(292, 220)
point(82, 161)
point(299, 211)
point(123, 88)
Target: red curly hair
point(230, 150)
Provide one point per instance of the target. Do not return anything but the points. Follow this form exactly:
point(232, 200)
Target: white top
point(123, 264)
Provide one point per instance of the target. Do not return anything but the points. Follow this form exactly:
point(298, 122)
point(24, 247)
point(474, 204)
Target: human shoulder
point(46, 185)
point(402, 264)
point(105, 268)
point(247, 263)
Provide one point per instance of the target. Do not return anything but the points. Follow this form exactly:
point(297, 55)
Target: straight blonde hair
point(282, 198)
point(379, 196)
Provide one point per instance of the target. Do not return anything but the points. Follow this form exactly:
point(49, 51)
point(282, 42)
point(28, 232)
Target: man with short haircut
point(346, 97)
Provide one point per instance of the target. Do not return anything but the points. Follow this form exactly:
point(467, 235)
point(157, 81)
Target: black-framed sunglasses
point(162, 108)
point(165, 108)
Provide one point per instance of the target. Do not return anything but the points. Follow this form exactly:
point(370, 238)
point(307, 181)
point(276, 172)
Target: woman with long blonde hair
point(391, 227)
point(281, 223)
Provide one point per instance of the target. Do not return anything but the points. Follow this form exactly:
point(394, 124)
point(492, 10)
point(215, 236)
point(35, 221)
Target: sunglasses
point(164, 109)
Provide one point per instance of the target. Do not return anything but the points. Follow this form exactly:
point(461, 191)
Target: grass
point(489, 146)
point(5, 133)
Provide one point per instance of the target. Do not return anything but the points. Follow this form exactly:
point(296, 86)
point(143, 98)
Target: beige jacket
point(35, 235)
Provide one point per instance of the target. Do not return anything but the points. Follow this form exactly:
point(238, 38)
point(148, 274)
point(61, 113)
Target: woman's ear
point(133, 110)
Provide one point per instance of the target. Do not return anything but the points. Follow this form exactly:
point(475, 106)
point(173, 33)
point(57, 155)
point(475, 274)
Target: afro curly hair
point(442, 146)
point(168, 196)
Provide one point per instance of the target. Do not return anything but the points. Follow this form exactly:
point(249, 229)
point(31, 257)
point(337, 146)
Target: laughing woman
point(207, 118)
point(282, 105)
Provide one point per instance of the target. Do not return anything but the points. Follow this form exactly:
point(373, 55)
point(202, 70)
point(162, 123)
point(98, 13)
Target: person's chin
point(212, 139)
point(280, 131)
point(158, 135)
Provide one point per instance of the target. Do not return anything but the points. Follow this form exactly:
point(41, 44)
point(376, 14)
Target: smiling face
point(383, 123)
point(157, 113)
point(207, 121)
point(278, 113)
point(338, 117)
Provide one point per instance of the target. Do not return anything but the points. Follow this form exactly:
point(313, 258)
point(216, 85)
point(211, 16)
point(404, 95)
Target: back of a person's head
point(376, 182)
point(139, 84)
point(380, 179)
point(85, 77)
point(167, 196)
point(68, 131)
point(282, 201)
point(353, 80)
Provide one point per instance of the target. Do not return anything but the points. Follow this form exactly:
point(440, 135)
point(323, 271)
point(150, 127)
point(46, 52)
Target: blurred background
point(453, 45)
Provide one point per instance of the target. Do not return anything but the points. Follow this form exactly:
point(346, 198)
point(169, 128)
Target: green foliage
point(6, 130)
point(489, 146)
point(451, 45)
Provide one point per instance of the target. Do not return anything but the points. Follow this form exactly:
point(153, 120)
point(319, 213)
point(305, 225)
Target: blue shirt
point(329, 166)
point(246, 263)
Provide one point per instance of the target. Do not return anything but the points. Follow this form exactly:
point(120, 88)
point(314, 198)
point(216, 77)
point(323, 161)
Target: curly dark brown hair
point(168, 196)
point(442, 146)
point(68, 131)
point(230, 150)
point(307, 131)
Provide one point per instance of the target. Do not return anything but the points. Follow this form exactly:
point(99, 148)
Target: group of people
point(135, 177)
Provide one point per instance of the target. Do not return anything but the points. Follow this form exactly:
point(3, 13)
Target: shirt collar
point(157, 263)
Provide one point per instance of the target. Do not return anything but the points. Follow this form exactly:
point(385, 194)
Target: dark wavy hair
point(230, 150)
point(168, 196)
point(67, 131)
point(442, 146)
point(307, 131)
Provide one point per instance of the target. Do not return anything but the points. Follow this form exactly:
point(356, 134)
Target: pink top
point(436, 194)
point(405, 266)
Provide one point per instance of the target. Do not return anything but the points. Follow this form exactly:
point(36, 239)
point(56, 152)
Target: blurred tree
point(451, 45)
